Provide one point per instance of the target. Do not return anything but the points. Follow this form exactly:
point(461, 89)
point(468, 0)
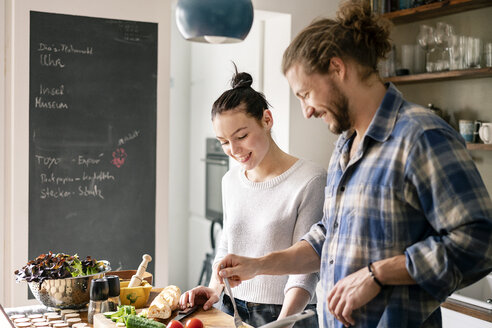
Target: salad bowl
point(60, 280)
point(66, 293)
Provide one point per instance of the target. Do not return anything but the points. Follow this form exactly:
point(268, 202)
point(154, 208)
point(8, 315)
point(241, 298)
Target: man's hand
point(351, 293)
point(237, 268)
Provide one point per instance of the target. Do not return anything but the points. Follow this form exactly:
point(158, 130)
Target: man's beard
point(341, 117)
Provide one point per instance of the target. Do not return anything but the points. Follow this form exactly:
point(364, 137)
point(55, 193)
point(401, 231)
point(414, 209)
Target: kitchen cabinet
point(433, 11)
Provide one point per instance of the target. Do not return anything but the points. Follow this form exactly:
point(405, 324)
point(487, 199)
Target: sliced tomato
point(194, 323)
point(175, 324)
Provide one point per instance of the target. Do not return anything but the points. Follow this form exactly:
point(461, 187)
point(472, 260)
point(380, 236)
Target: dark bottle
point(114, 292)
point(99, 298)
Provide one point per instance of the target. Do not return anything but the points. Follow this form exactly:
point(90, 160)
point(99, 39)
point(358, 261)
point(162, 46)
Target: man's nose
point(307, 110)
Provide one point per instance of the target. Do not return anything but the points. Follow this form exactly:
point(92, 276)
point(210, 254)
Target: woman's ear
point(267, 120)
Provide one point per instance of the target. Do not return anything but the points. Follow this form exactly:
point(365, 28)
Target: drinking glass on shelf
point(426, 40)
point(487, 52)
point(476, 45)
point(457, 48)
point(407, 57)
point(473, 54)
point(443, 35)
point(387, 67)
point(418, 60)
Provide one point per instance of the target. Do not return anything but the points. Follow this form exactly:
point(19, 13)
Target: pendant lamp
point(214, 21)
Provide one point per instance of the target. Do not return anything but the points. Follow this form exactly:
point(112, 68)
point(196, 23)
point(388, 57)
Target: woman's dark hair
point(357, 33)
point(253, 102)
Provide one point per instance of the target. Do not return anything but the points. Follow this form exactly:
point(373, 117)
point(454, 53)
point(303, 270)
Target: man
point(407, 218)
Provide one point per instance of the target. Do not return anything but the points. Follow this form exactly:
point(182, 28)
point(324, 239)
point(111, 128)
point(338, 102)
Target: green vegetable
point(134, 321)
point(109, 314)
point(76, 267)
point(121, 314)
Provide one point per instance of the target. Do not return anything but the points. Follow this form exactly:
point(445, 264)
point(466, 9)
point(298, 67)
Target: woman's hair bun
point(241, 80)
point(242, 97)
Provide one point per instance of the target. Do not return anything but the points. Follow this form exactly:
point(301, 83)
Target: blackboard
point(92, 138)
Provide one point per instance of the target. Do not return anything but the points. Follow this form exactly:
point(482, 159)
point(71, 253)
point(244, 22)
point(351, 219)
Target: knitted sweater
point(262, 217)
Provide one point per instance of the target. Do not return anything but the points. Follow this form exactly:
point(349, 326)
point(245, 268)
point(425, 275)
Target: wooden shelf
point(436, 9)
point(478, 146)
point(442, 76)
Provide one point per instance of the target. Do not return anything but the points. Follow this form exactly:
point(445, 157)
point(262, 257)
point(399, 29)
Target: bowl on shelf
point(66, 293)
point(127, 275)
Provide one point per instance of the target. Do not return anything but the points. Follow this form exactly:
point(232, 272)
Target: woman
point(270, 201)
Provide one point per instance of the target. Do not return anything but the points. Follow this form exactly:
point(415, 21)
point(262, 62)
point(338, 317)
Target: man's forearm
point(392, 271)
point(297, 259)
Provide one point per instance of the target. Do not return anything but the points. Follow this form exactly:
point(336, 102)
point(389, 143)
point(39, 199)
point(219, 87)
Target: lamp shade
point(214, 21)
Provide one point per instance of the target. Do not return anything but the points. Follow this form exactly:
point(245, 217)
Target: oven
point(216, 165)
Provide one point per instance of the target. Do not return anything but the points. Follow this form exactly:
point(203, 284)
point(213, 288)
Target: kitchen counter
point(468, 309)
point(213, 318)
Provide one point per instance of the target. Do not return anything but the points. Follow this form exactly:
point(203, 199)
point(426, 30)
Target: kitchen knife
point(289, 319)
point(184, 313)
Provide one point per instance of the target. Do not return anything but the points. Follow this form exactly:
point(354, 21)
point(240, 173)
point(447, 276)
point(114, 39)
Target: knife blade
point(184, 313)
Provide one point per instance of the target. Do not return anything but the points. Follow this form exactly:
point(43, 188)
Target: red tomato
point(175, 324)
point(194, 323)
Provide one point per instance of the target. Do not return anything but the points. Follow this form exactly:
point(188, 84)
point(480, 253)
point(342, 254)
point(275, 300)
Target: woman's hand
point(199, 295)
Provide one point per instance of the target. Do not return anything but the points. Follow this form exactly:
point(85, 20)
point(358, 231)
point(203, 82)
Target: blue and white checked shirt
point(411, 188)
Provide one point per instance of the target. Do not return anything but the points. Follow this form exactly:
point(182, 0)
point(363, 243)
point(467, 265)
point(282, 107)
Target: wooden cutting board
point(212, 318)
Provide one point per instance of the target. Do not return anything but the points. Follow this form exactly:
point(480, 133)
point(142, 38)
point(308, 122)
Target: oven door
point(216, 167)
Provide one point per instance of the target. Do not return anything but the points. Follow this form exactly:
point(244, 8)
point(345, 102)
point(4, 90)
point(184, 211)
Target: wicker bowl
point(66, 293)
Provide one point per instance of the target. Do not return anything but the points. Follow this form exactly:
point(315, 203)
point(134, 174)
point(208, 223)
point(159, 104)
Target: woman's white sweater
point(262, 217)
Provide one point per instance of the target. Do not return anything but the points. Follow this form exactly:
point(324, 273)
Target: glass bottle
point(98, 298)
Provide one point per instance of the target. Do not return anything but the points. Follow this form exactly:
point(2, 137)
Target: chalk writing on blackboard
point(58, 185)
point(52, 92)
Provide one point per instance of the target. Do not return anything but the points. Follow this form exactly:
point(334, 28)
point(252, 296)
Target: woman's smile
point(243, 159)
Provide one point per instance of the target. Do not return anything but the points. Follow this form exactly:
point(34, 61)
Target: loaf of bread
point(165, 303)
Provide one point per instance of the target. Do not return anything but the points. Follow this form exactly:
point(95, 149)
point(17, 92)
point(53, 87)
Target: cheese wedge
point(164, 303)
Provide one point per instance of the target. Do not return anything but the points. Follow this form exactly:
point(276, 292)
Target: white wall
point(15, 156)
point(211, 72)
point(179, 136)
point(309, 139)
point(2, 152)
